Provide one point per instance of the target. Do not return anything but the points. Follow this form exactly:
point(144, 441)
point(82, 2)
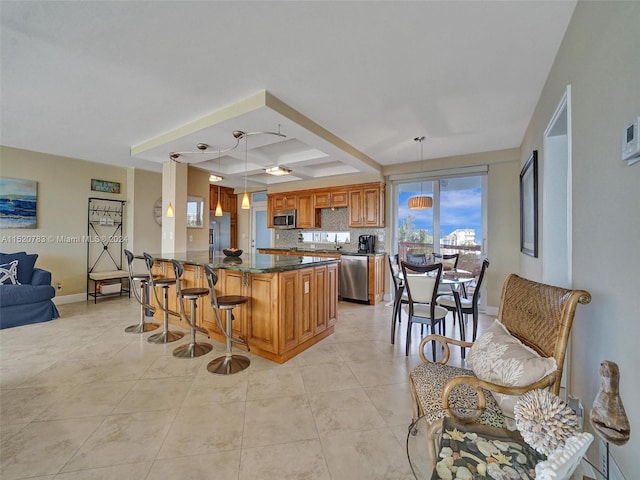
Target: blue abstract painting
point(18, 203)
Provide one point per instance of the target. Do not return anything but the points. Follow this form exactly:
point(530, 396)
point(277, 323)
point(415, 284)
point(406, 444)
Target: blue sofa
point(29, 299)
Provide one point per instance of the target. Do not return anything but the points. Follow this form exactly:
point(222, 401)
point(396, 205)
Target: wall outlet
point(59, 286)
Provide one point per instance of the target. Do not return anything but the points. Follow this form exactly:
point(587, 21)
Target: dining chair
point(467, 305)
point(416, 258)
point(399, 294)
point(421, 283)
point(449, 262)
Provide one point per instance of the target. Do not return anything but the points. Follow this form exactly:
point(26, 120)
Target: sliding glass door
point(452, 225)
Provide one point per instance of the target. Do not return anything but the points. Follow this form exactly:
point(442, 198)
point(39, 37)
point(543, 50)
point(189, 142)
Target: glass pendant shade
point(245, 202)
point(170, 211)
point(218, 212)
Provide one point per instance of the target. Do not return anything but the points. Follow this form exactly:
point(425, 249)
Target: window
point(452, 225)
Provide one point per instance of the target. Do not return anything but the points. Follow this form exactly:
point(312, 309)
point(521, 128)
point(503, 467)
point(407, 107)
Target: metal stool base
point(192, 350)
point(228, 365)
point(165, 337)
point(142, 328)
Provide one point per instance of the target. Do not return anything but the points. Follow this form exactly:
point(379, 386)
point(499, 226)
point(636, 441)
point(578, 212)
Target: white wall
point(599, 57)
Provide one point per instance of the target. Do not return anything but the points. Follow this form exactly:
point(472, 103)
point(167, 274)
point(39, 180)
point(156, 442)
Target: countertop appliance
point(354, 278)
point(284, 219)
point(366, 244)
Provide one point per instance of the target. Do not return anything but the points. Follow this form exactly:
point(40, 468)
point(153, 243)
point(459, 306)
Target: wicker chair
point(538, 315)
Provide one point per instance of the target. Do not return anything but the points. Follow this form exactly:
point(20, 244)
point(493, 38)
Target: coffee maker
point(366, 244)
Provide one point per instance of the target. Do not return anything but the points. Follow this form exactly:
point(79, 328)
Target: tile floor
point(82, 399)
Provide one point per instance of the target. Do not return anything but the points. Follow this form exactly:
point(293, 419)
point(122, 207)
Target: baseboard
point(491, 311)
point(76, 297)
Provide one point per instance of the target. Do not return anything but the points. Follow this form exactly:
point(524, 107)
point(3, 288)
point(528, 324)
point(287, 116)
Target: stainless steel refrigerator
point(219, 232)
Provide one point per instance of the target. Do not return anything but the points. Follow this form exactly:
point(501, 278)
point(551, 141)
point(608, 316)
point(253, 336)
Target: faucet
point(338, 247)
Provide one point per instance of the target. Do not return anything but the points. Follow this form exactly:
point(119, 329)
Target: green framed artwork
point(105, 186)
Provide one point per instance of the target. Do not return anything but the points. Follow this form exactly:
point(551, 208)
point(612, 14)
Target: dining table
point(456, 278)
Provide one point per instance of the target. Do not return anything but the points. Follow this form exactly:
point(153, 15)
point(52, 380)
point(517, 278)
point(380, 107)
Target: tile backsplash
point(333, 220)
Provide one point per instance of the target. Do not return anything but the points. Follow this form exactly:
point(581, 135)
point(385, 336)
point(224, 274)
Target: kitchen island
point(292, 303)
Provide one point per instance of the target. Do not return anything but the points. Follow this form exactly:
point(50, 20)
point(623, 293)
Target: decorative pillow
point(498, 357)
point(26, 263)
point(9, 273)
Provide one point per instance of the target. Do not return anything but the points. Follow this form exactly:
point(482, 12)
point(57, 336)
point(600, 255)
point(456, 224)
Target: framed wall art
point(105, 186)
point(529, 206)
point(18, 200)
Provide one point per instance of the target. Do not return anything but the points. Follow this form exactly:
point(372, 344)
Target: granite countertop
point(311, 251)
point(247, 262)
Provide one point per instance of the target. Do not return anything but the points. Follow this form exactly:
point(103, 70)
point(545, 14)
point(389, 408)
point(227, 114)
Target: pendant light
point(245, 198)
point(218, 212)
point(420, 202)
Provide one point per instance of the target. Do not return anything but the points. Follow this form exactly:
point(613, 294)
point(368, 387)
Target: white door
point(261, 236)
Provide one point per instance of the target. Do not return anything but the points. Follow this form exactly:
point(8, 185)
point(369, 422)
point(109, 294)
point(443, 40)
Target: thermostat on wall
point(631, 142)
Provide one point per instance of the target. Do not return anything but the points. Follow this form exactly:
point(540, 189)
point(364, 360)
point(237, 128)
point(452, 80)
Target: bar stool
point(192, 349)
point(229, 363)
point(166, 336)
point(141, 297)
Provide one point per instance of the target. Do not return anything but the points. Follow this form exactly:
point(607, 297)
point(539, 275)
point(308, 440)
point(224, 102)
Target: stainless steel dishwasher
point(354, 277)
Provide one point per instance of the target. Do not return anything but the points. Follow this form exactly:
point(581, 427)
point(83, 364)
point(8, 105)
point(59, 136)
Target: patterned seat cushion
point(429, 380)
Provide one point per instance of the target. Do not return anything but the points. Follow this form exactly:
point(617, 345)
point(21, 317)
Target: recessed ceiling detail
point(302, 148)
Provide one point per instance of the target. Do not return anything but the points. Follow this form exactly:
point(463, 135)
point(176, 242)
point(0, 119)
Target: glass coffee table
point(480, 449)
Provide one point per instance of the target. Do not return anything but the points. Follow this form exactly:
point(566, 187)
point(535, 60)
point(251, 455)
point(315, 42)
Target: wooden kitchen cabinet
point(365, 203)
point(307, 215)
point(376, 278)
point(281, 317)
point(228, 199)
point(285, 201)
point(332, 290)
point(297, 313)
point(366, 206)
point(332, 198)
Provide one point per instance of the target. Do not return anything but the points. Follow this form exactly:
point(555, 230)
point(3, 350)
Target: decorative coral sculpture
point(544, 420)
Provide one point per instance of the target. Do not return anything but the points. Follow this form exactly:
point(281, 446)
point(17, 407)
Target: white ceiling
point(94, 80)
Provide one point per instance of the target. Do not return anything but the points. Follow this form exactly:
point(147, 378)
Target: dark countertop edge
point(316, 262)
point(340, 252)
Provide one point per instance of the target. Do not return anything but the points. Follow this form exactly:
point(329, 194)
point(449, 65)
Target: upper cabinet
point(228, 199)
point(307, 215)
point(365, 203)
point(333, 198)
point(366, 206)
point(285, 201)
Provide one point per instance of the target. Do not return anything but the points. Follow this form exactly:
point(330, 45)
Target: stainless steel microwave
point(284, 219)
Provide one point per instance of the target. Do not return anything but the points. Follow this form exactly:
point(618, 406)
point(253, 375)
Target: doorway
point(556, 208)
point(260, 235)
point(556, 198)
